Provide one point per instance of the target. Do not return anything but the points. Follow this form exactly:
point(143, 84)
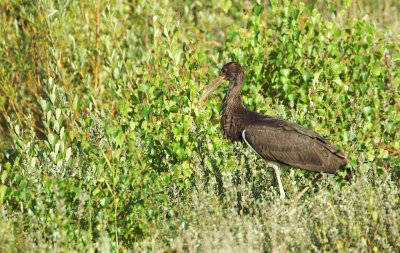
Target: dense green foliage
point(103, 144)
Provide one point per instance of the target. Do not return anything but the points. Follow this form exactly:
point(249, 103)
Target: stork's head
point(230, 72)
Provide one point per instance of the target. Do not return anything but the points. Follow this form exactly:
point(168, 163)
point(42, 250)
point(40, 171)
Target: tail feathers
point(346, 171)
point(349, 174)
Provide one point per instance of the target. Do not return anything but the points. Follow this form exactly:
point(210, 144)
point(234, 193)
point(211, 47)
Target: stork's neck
point(233, 113)
point(233, 100)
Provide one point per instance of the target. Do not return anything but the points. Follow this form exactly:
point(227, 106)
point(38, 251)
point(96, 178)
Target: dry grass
point(354, 219)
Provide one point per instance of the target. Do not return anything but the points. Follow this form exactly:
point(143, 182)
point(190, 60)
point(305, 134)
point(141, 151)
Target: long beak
point(215, 83)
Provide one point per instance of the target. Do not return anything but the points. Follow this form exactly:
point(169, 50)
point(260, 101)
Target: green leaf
point(51, 139)
point(3, 191)
point(68, 154)
point(3, 176)
point(58, 113)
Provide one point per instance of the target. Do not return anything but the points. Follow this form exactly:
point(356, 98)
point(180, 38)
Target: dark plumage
point(275, 140)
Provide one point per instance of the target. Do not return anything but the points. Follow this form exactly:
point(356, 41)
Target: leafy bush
point(104, 146)
point(342, 77)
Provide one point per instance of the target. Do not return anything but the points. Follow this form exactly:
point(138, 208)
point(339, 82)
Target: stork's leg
point(278, 178)
point(308, 187)
point(272, 164)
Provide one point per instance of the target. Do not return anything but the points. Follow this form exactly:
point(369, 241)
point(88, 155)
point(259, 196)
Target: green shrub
point(104, 146)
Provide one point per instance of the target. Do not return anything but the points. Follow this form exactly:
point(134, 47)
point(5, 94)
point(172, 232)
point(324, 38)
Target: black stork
point(278, 142)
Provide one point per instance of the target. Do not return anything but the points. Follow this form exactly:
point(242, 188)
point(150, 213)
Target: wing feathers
point(291, 144)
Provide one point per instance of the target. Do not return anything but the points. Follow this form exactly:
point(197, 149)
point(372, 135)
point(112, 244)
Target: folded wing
point(293, 145)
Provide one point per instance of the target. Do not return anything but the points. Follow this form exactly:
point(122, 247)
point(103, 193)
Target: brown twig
point(302, 192)
point(388, 148)
point(388, 79)
point(96, 59)
point(308, 187)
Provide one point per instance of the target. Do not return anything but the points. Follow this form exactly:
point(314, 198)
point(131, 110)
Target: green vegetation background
point(103, 146)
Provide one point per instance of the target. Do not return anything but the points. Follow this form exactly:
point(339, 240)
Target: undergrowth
point(104, 147)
